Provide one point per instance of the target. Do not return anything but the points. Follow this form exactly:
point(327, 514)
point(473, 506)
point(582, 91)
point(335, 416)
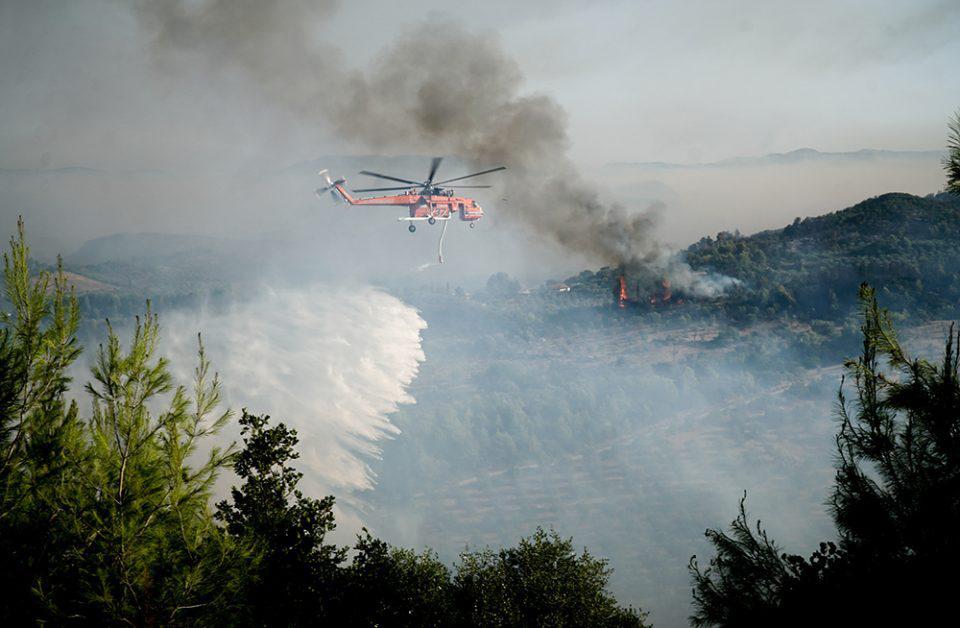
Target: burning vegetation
point(647, 292)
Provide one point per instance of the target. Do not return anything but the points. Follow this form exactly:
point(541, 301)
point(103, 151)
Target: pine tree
point(102, 520)
point(105, 520)
point(40, 432)
point(752, 582)
point(895, 502)
point(155, 554)
point(951, 163)
point(896, 498)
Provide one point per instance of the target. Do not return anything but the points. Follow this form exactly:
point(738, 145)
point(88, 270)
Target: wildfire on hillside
point(665, 293)
point(660, 294)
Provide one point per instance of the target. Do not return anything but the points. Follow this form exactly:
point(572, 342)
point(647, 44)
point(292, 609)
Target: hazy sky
point(84, 85)
point(691, 81)
point(699, 81)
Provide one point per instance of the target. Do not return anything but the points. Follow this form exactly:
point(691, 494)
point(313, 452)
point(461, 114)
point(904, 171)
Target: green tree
point(103, 520)
point(155, 554)
point(951, 163)
point(896, 498)
point(388, 586)
point(292, 574)
point(106, 520)
point(540, 582)
point(752, 582)
point(895, 501)
point(41, 436)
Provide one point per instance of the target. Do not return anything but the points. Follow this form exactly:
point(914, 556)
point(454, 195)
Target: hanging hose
point(443, 230)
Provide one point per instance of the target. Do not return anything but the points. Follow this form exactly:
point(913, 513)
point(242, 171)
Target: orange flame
point(623, 291)
point(667, 293)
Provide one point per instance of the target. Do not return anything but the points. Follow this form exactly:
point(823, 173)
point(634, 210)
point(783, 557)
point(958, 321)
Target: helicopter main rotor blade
point(433, 169)
point(379, 189)
point(384, 176)
point(475, 174)
point(461, 187)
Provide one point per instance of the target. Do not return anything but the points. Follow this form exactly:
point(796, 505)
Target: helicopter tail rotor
point(331, 185)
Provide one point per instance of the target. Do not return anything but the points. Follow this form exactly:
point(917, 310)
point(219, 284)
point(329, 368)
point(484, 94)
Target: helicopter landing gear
point(473, 225)
point(431, 220)
point(412, 228)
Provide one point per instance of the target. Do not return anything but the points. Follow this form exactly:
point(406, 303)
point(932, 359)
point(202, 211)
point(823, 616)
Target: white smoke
point(705, 285)
point(330, 362)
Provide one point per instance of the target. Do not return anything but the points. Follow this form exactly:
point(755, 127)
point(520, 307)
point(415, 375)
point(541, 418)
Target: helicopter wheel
point(473, 225)
point(412, 228)
point(431, 220)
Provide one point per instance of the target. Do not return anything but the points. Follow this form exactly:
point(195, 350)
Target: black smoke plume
point(438, 89)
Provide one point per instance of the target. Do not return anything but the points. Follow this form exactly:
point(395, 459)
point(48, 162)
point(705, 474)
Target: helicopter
point(427, 200)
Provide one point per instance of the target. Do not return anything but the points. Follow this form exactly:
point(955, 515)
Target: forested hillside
point(554, 404)
point(550, 405)
point(907, 246)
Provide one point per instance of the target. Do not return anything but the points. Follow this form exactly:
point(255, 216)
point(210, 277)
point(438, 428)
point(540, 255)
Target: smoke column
point(329, 362)
point(452, 91)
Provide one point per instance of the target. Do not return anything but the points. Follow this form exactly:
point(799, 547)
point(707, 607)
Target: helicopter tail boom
point(337, 192)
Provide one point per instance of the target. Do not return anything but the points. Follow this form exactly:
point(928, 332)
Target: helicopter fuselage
point(430, 207)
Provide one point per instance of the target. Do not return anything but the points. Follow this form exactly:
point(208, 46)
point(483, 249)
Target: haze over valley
point(705, 214)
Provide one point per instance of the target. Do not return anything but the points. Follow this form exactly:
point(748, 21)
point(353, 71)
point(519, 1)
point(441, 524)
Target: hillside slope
point(631, 428)
point(906, 246)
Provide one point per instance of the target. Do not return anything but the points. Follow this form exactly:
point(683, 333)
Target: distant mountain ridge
point(791, 157)
point(414, 163)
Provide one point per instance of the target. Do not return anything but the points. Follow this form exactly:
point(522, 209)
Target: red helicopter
point(425, 200)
